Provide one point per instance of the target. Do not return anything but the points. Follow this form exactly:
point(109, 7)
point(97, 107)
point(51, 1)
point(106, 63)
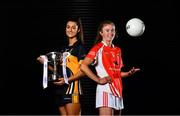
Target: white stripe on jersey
point(104, 99)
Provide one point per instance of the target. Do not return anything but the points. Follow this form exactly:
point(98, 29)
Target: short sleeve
point(93, 51)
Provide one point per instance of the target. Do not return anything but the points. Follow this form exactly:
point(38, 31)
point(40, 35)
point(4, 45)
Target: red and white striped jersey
point(109, 63)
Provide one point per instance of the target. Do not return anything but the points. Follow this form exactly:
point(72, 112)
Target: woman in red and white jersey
point(108, 63)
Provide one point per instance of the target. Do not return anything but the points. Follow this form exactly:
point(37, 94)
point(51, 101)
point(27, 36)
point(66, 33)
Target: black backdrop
point(37, 27)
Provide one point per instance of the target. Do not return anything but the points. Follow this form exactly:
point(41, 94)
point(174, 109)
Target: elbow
point(82, 67)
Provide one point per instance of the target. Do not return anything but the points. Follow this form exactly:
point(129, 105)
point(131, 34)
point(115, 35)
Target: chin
point(109, 40)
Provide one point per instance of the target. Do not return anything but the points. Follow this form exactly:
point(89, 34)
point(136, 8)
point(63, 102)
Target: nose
point(70, 29)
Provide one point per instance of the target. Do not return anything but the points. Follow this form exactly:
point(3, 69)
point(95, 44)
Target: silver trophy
point(54, 60)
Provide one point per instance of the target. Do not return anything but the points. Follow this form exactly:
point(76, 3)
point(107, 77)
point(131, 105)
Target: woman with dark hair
point(67, 95)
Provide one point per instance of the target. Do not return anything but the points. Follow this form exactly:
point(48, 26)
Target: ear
point(78, 30)
point(100, 33)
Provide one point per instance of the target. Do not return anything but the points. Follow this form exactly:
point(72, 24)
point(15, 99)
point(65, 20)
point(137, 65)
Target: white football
point(135, 27)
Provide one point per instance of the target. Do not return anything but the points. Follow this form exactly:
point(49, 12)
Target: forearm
point(89, 73)
point(76, 77)
point(130, 72)
point(124, 74)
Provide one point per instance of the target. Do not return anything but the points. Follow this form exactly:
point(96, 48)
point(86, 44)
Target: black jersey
point(77, 53)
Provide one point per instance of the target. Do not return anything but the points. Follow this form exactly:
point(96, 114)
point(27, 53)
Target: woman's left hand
point(133, 70)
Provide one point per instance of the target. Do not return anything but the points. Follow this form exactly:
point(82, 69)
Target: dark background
point(37, 27)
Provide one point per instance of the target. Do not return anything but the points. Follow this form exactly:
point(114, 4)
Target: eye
point(67, 27)
point(107, 30)
point(74, 28)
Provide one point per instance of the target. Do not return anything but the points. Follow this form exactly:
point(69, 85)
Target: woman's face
point(108, 32)
point(71, 29)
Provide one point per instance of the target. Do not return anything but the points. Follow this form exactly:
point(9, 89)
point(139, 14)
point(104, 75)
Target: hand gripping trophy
point(57, 62)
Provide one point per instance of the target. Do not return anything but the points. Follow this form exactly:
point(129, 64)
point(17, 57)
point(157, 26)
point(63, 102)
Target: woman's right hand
point(40, 59)
point(105, 80)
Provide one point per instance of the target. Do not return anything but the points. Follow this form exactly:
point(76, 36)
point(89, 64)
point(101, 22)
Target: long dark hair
point(78, 21)
point(102, 24)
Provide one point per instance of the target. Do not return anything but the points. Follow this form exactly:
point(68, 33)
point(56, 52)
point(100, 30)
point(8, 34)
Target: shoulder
point(79, 47)
point(117, 48)
point(93, 51)
point(97, 46)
